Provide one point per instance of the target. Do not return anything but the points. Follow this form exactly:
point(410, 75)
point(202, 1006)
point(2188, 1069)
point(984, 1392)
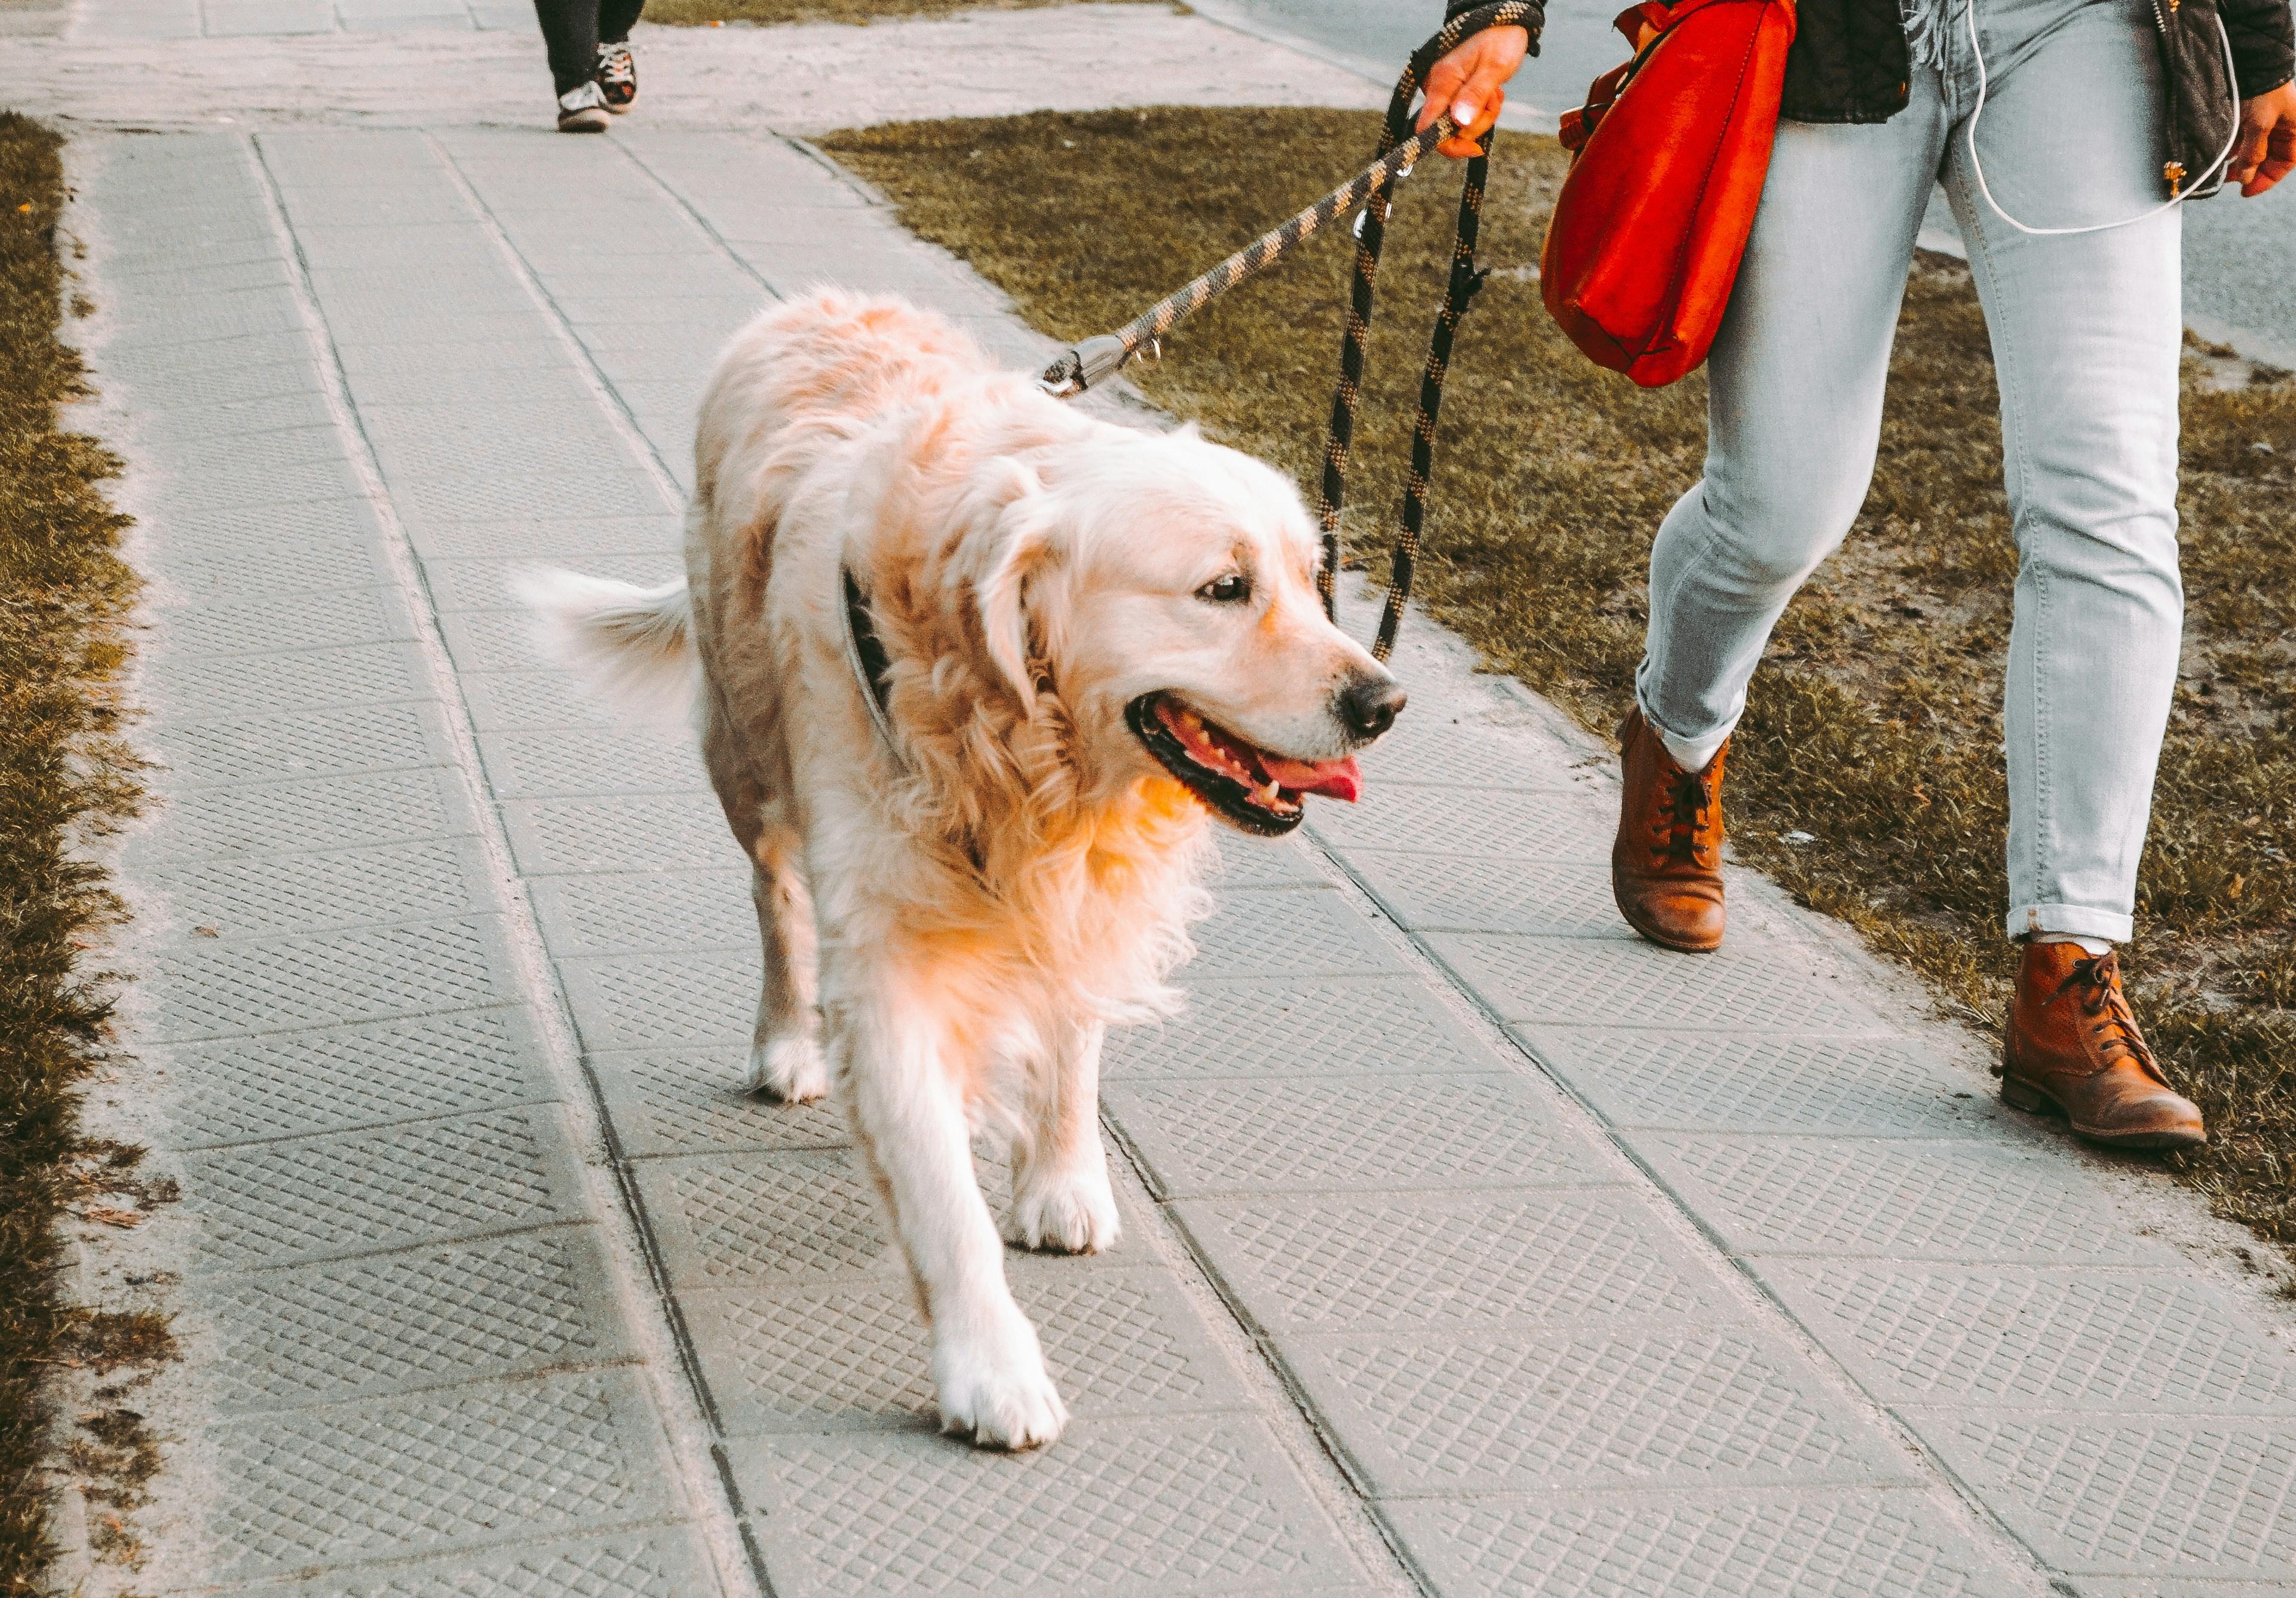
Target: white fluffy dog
point(974, 669)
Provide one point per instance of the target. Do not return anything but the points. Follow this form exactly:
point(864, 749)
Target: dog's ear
point(1019, 537)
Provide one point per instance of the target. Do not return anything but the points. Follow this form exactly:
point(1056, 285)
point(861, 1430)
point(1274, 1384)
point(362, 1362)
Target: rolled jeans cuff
point(2076, 920)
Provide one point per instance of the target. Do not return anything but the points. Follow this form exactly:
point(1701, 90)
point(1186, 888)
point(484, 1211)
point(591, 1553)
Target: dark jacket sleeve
point(2263, 42)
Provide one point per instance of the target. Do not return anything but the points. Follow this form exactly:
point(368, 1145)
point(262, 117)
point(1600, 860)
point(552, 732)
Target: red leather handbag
point(1669, 155)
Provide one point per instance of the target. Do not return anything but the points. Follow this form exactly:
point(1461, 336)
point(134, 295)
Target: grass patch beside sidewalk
point(701, 13)
point(63, 592)
point(1874, 725)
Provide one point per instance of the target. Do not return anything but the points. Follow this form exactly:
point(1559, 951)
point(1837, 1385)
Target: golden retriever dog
point(974, 672)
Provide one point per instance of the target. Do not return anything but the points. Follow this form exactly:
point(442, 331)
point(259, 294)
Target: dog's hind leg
point(785, 1051)
point(900, 1086)
point(1061, 1198)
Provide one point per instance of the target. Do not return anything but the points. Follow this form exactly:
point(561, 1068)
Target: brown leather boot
point(1666, 867)
point(2073, 1048)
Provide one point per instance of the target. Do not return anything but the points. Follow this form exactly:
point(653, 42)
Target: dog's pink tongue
point(1335, 779)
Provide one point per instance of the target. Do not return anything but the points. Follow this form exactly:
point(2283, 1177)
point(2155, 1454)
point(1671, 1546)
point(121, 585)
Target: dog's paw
point(997, 1390)
point(791, 1070)
point(1072, 1213)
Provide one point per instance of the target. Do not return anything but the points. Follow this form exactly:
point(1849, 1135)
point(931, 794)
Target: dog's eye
point(1230, 589)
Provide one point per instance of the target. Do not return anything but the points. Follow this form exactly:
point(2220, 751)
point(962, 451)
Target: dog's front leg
point(1061, 1197)
point(900, 1082)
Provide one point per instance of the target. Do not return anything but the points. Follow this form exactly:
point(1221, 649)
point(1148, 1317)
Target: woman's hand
point(1471, 84)
point(2266, 150)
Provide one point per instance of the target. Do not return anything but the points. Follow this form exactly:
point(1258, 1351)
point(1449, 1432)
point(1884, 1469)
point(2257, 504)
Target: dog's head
point(1165, 588)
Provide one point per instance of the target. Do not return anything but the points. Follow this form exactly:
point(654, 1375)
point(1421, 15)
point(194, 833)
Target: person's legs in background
point(570, 34)
point(1794, 413)
point(616, 70)
point(2087, 330)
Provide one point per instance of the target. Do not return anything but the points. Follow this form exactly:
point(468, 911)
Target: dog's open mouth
point(1247, 786)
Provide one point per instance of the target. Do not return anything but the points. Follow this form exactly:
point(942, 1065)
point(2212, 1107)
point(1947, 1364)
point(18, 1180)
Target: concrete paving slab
point(638, 912)
point(1314, 1026)
point(262, 686)
point(1459, 892)
point(1746, 1543)
point(1144, 1510)
point(692, 1101)
point(338, 812)
point(1544, 981)
point(207, 989)
point(663, 1563)
point(227, 900)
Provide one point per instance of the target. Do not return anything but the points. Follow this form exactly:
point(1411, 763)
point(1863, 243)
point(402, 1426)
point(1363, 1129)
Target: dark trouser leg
point(615, 18)
point(569, 31)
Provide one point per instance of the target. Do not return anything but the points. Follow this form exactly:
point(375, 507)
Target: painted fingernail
point(1463, 111)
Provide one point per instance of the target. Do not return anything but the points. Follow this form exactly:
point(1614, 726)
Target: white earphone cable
point(1977, 168)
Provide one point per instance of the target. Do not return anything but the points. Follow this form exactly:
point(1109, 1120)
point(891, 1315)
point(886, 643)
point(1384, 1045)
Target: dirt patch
point(63, 778)
point(1874, 730)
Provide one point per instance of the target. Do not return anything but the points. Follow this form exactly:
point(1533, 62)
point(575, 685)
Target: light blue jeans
point(2085, 333)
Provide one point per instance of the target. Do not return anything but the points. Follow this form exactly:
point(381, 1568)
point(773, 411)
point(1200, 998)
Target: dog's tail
point(634, 646)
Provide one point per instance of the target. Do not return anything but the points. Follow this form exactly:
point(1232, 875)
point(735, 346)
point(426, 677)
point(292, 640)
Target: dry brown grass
point(1874, 725)
point(62, 593)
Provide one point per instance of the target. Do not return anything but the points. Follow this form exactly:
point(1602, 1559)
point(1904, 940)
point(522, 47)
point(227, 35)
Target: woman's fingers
point(1469, 85)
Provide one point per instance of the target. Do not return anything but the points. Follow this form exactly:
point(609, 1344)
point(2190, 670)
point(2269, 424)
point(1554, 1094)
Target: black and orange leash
point(1097, 359)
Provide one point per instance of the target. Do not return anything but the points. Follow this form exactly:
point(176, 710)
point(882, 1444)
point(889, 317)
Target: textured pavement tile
point(235, 687)
point(663, 1563)
point(764, 1220)
point(1955, 1202)
point(467, 1467)
point(328, 743)
point(2134, 1495)
point(2021, 1337)
point(232, 899)
point(214, 988)
point(1697, 1081)
point(485, 583)
point(1476, 894)
point(645, 832)
point(179, 577)
point(1776, 988)
point(531, 702)
point(1443, 1263)
point(640, 913)
point(397, 1322)
point(571, 763)
point(1266, 863)
point(1445, 821)
point(1302, 1026)
point(692, 1102)
point(271, 622)
point(531, 542)
point(1119, 1342)
point(1869, 1543)
point(627, 1001)
point(1680, 1404)
point(1116, 1511)
point(1328, 1133)
point(1289, 932)
point(329, 1079)
point(393, 1187)
point(267, 820)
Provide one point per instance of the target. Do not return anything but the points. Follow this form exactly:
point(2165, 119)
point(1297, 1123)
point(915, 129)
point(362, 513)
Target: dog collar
point(864, 653)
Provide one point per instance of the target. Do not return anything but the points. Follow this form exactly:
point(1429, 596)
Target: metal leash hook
point(1095, 361)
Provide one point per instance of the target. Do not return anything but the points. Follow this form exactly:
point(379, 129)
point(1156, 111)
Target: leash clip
point(1085, 367)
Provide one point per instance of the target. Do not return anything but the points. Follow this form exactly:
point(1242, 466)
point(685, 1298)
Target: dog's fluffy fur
point(951, 923)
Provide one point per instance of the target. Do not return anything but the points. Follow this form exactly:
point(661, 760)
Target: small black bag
point(2203, 107)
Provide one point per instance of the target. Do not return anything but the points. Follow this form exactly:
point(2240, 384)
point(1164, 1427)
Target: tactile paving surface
point(331, 1078)
point(1450, 820)
point(1142, 1512)
point(311, 892)
point(1118, 1341)
point(1471, 893)
point(2157, 1495)
point(1336, 1132)
point(689, 1102)
point(629, 912)
point(1308, 1027)
point(1547, 980)
point(764, 1218)
point(632, 1001)
point(397, 1321)
point(2005, 1337)
point(1897, 1199)
point(294, 816)
point(1857, 1544)
point(620, 833)
point(642, 1564)
point(1333, 1263)
point(358, 1192)
point(1288, 932)
point(1686, 1405)
point(1697, 1081)
point(211, 988)
point(468, 1467)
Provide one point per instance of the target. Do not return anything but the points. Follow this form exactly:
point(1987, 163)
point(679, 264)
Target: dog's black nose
point(1370, 704)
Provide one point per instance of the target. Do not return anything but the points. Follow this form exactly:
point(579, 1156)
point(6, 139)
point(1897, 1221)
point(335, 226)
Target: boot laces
point(1682, 805)
point(616, 66)
point(2095, 979)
